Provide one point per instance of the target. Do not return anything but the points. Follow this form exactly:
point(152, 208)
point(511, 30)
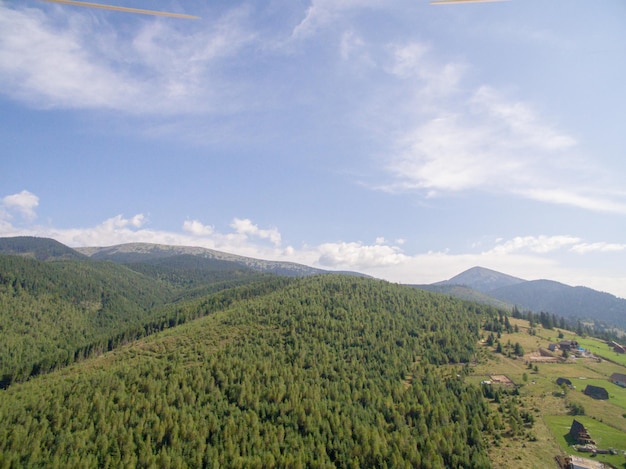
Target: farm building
point(568, 345)
point(596, 392)
point(618, 348)
point(580, 433)
point(553, 347)
point(619, 379)
point(565, 381)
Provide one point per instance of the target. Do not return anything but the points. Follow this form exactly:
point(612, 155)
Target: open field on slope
point(540, 395)
point(603, 350)
point(604, 435)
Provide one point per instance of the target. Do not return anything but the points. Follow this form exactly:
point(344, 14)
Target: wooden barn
point(580, 434)
point(619, 379)
point(596, 392)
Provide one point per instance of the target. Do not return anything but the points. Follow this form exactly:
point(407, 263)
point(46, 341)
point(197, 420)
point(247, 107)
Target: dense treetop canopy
point(326, 371)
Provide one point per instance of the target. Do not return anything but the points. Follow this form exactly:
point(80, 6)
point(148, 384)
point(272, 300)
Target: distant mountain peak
point(482, 279)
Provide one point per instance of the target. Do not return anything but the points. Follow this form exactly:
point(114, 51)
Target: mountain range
point(477, 284)
point(502, 290)
point(163, 254)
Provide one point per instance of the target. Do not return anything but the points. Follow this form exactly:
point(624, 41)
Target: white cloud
point(356, 255)
point(351, 47)
point(24, 203)
point(493, 146)
point(138, 220)
point(48, 64)
point(564, 196)
point(69, 61)
point(195, 227)
point(408, 59)
point(323, 12)
point(450, 138)
point(520, 121)
point(535, 244)
point(247, 228)
point(119, 221)
point(584, 248)
point(415, 60)
point(443, 155)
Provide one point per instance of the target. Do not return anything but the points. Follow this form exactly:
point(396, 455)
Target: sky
point(401, 139)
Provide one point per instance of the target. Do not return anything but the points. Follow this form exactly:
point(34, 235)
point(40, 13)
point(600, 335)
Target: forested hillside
point(327, 371)
point(487, 286)
point(37, 248)
point(53, 313)
point(572, 302)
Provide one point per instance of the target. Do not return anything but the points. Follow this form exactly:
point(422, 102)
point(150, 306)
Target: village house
point(619, 379)
point(568, 345)
point(596, 392)
point(553, 347)
point(580, 434)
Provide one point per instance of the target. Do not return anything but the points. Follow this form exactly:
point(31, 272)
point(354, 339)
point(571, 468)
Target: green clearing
point(604, 435)
point(617, 395)
point(602, 349)
point(539, 394)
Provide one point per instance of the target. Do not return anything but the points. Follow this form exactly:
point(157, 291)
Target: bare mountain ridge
point(145, 252)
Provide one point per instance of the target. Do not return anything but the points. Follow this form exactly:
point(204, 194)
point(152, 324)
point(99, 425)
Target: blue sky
point(405, 140)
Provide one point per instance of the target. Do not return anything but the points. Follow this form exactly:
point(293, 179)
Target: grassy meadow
point(538, 394)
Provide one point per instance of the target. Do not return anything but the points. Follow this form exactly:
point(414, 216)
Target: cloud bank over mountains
point(524, 256)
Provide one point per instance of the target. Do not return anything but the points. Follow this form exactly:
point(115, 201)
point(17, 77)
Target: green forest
point(244, 371)
point(54, 313)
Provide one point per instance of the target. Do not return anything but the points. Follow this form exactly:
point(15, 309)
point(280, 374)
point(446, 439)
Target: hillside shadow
point(569, 439)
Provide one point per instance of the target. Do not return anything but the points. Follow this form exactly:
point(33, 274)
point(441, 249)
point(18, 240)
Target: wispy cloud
point(584, 248)
point(449, 137)
point(593, 199)
point(69, 61)
point(536, 244)
point(321, 13)
point(431, 79)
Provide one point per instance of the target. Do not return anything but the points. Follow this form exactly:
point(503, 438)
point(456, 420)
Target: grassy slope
point(603, 350)
point(538, 394)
